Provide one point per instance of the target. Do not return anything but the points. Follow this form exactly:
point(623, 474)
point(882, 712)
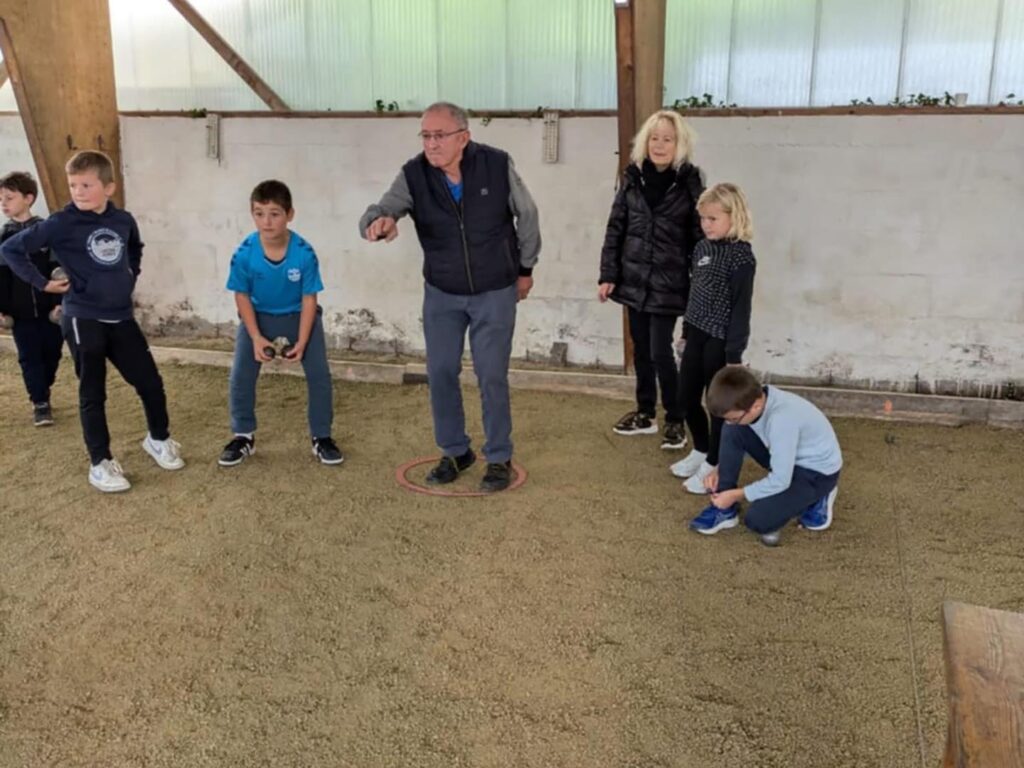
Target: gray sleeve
point(527, 220)
point(396, 203)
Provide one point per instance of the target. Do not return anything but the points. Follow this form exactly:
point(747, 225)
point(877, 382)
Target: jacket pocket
point(110, 288)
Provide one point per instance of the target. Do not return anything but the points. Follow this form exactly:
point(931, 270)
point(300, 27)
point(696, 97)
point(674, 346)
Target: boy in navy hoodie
point(38, 340)
point(98, 245)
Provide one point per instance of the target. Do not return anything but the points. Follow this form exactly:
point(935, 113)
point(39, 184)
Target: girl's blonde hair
point(733, 202)
point(685, 137)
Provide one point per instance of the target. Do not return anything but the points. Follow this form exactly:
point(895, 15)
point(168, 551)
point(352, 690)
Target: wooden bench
point(985, 683)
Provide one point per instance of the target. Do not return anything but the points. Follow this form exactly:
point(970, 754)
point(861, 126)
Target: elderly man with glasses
point(479, 231)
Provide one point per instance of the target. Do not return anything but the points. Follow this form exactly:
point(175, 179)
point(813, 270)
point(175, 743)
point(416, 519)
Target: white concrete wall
point(16, 156)
point(887, 248)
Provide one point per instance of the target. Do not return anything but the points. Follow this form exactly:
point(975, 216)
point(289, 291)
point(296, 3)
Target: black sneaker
point(325, 449)
point(449, 467)
point(636, 423)
point(236, 451)
point(674, 438)
point(42, 416)
point(497, 477)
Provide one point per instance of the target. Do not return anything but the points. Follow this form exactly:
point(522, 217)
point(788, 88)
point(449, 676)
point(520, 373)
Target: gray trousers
point(491, 319)
point(245, 370)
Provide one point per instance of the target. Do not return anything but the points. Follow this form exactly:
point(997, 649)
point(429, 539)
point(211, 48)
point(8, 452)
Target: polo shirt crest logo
point(294, 275)
point(105, 246)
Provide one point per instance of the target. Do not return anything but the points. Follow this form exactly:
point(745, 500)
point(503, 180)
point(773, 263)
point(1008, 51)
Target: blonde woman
point(652, 230)
point(717, 321)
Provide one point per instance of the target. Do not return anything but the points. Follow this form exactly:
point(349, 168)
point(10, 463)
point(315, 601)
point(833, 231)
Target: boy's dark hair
point(272, 191)
point(20, 181)
point(92, 160)
point(732, 389)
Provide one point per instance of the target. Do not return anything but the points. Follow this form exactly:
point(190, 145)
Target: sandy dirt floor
point(283, 613)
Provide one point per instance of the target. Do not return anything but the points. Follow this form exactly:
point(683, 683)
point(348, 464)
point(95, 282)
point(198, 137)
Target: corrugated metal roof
point(521, 54)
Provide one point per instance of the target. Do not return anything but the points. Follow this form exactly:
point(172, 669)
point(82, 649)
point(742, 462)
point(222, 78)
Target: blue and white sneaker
point(713, 519)
point(818, 516)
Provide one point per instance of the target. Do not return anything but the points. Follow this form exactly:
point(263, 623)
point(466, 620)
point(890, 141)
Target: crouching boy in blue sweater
point(786, 435)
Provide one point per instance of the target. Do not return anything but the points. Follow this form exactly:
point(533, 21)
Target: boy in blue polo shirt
point(276, 277)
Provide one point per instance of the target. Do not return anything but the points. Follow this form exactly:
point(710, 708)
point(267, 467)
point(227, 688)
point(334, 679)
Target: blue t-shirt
point(455, 189)
point(275, 287)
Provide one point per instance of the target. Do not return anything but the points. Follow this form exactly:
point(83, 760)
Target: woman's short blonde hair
point(733, 202)
point(685, 137)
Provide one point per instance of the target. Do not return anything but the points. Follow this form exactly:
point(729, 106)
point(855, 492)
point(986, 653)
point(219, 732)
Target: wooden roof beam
point(230, 55)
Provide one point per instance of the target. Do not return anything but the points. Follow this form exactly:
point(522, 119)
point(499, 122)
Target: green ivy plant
point(705, 101)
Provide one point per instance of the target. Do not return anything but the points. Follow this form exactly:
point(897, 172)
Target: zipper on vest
point(465, 245)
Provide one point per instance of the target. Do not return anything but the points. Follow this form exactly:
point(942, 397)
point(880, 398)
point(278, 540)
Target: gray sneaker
point(42, 416)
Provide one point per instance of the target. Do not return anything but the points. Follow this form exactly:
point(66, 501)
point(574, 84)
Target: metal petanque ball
point(280, 347)
point(59, 274)
point(56, 314)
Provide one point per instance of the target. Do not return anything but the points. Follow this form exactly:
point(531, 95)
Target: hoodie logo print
point(105, 246)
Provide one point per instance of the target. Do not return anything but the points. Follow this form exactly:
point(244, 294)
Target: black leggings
point(654, 360)
point(703, 357)
point(92, 343)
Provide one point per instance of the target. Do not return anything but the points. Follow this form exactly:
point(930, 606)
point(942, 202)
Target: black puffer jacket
point(646, 253)
point(17, 298)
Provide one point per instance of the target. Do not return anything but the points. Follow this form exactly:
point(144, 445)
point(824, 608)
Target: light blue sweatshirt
point(795, 432)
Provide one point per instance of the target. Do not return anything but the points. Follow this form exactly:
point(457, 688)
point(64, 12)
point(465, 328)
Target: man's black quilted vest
point(468, 247)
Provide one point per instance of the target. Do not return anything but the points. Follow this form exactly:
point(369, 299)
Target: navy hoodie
point(101, 253)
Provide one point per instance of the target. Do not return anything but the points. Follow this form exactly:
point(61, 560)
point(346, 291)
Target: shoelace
point(112, 466)
point(238, 444)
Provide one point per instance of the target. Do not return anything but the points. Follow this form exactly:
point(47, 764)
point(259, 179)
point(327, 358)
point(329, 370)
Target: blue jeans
point(246, 369)
point(491, 319)
point(772, 512)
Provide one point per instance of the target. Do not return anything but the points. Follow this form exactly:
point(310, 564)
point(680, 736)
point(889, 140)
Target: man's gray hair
point(458, 114)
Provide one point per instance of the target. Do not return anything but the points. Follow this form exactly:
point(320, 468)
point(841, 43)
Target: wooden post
point(627, 126)
point(3, 73)
point(984, 651)
point(60, 62)
point(640, 70)
point(649, 47)
point(226, 52)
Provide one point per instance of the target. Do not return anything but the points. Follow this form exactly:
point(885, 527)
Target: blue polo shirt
point(275, 287)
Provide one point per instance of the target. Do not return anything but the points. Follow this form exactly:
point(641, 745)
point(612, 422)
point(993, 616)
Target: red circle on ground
point(441, 490)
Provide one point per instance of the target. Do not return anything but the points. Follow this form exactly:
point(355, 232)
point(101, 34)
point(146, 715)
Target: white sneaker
point(164, 452)
point(108, 477)
point(689, 465)
point(696, 482)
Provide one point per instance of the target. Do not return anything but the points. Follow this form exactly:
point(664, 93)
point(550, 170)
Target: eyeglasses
point(438, 135)
point(739, 419)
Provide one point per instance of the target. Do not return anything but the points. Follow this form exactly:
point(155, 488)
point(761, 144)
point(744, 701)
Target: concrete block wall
point(887, 255)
